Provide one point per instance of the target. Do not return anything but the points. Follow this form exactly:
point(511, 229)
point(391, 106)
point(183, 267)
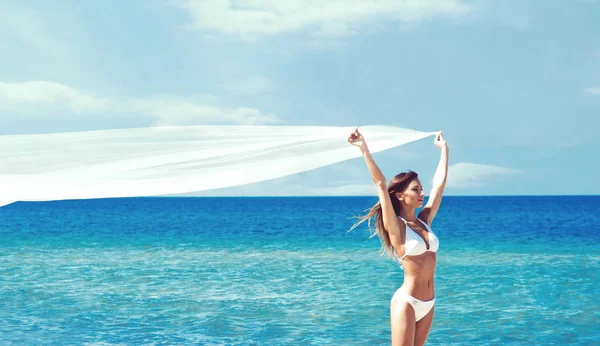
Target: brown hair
point(398, 184)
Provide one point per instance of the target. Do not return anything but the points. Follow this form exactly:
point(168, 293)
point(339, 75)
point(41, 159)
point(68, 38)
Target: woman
point(410, 239)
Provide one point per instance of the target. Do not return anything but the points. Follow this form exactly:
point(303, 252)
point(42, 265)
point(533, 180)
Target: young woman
point(409, 238)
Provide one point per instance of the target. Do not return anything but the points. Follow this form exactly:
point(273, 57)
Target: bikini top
point(415, 245)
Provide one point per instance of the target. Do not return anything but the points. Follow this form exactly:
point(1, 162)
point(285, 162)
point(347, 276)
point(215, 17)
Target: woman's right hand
point(357, 139)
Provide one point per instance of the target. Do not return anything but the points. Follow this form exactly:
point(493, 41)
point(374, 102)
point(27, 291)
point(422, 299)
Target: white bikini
point(415, 246)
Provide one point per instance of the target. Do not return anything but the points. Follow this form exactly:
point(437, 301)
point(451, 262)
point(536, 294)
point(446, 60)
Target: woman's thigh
point(423, 327)
point(402, 316)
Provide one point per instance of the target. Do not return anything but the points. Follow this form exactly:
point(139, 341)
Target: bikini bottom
point(421, 308)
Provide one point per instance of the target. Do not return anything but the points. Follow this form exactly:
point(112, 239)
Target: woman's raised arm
point(439, 182)
point(390, 220)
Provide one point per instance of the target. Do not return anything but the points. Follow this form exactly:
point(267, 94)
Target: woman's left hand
point(439, 141)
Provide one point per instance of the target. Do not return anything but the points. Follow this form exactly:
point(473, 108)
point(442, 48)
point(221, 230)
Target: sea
point(512, 270)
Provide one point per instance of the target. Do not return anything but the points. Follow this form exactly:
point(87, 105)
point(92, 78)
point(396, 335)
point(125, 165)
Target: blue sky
point(514, 85)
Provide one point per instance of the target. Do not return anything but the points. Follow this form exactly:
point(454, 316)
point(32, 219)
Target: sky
point(514, 85)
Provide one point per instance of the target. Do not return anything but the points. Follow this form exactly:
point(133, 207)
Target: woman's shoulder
point(401, 223)
point(424, 216)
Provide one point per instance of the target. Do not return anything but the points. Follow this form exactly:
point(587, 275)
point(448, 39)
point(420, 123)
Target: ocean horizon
point(282, 270)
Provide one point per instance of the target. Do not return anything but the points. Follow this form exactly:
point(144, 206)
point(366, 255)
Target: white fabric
point(172, 160)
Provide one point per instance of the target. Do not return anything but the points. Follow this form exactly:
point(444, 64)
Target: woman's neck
point(408, 214)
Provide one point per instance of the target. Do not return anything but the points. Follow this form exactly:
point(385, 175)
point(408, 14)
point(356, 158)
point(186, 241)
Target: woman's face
point(413, 196)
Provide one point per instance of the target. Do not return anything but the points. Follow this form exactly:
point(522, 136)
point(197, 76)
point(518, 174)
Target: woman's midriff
point(419, 274)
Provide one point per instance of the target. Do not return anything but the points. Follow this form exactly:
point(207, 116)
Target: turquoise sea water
point(282, 271)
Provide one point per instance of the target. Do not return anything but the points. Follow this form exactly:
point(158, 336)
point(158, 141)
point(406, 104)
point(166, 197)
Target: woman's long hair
point(397, 185)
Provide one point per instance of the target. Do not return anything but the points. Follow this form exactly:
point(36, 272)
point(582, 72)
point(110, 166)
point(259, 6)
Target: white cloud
point(468, 175)
point(594, 91)
point(40, 95)
point(184, 112)
point(251, 86)
point(290, 187)
point(462, 175)
point(251, 18)
point(344, 190)
point(14, 95)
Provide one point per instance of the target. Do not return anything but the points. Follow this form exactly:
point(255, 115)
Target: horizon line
point(255, 196)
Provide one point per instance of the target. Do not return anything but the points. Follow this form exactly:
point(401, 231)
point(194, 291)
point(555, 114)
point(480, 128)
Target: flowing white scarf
point(173, 160)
